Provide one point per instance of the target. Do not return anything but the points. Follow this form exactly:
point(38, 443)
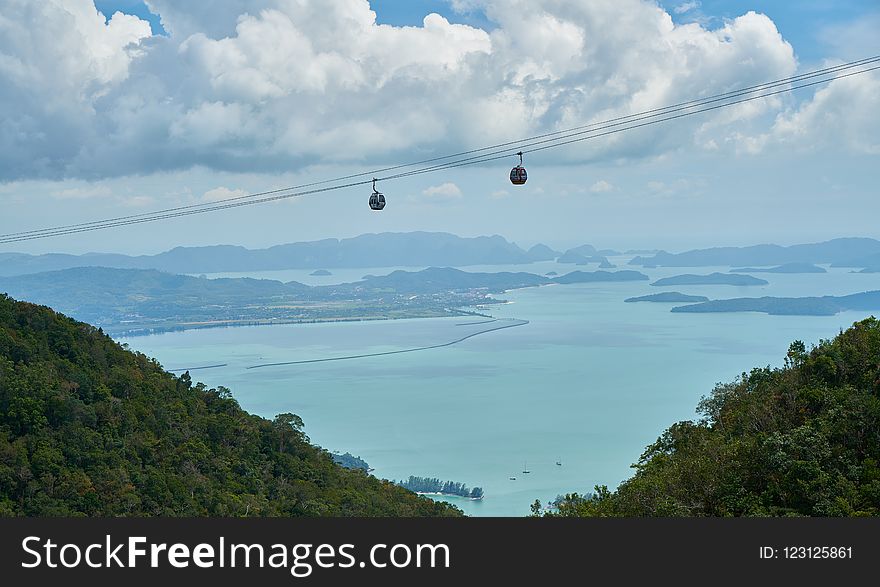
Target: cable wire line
point(488, 154)
point(592, 126)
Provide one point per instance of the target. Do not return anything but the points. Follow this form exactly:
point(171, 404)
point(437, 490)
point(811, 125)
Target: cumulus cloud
point(444, 191)
point(58, 60)
point(844, 113)
point(274, 85)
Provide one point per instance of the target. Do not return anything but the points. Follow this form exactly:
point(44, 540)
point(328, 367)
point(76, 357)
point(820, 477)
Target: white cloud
point(601, 187)
point(843, 113)
point(686, 7)
point(222, 193)
point(274, 85)
point(444, 191)
point(499, 194)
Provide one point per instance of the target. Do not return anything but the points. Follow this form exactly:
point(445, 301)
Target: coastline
point(145, 330)
point(432, 494)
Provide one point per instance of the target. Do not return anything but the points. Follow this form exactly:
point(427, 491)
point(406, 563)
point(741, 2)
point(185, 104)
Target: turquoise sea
point(588, 382)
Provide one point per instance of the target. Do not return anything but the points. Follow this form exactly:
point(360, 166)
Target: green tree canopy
point(88, 428)
point(802, 440)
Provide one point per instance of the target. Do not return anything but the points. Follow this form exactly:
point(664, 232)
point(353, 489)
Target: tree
point(287, 426)
point(801, 440)
point(88, 428)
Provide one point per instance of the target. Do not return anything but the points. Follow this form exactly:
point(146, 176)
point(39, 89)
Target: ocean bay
point(589, 381)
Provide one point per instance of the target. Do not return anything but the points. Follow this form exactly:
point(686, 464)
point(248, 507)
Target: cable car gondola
point(518, 175)
point(377, 200)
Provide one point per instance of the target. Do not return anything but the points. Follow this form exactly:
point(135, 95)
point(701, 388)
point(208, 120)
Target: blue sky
point(803, 23)
point(125, 117)
point(393, 12)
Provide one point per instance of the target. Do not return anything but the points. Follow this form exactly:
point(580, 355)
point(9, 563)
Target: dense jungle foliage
point(88, 428)
point(801, 440)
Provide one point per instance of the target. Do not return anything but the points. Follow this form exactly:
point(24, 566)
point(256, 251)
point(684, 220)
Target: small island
point(787, 268)
point(320, 273)
point(668, 296)
point(809, 306)
point(711, 279)
point(434, 486)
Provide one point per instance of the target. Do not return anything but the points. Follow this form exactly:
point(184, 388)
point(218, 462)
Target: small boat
point(512, 478)
point(558, 463)
point(526, 469)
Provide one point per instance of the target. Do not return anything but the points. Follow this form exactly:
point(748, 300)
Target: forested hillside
point(801, 440)
point(88, 428)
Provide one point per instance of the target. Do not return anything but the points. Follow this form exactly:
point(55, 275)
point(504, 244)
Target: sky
point(121, 107)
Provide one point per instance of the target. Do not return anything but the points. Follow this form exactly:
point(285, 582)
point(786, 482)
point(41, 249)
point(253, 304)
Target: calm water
point(590, 381)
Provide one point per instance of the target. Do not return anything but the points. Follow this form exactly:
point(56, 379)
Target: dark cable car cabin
point(377, 200)
point(518, 175)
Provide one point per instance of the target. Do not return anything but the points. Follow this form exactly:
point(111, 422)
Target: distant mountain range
point(841, 252)
point(412, 249)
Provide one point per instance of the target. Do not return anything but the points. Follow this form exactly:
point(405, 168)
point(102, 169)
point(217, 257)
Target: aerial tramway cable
point(491, 153)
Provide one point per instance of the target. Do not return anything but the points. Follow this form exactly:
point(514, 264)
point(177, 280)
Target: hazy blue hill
point(542, 252)
point(711, 279)
point(668, 296)
point(867, 261)
point(869, 300)
point(807, 306)
point(787, 268)
point(584, 255)
point(767, 305)
point(320, 273)
point(20, 264)
point(437, 279)
point(585, 250)
point(833, 251)
point(95, 293)
point(573, 258)
point(368, 250)
point(600, 276)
